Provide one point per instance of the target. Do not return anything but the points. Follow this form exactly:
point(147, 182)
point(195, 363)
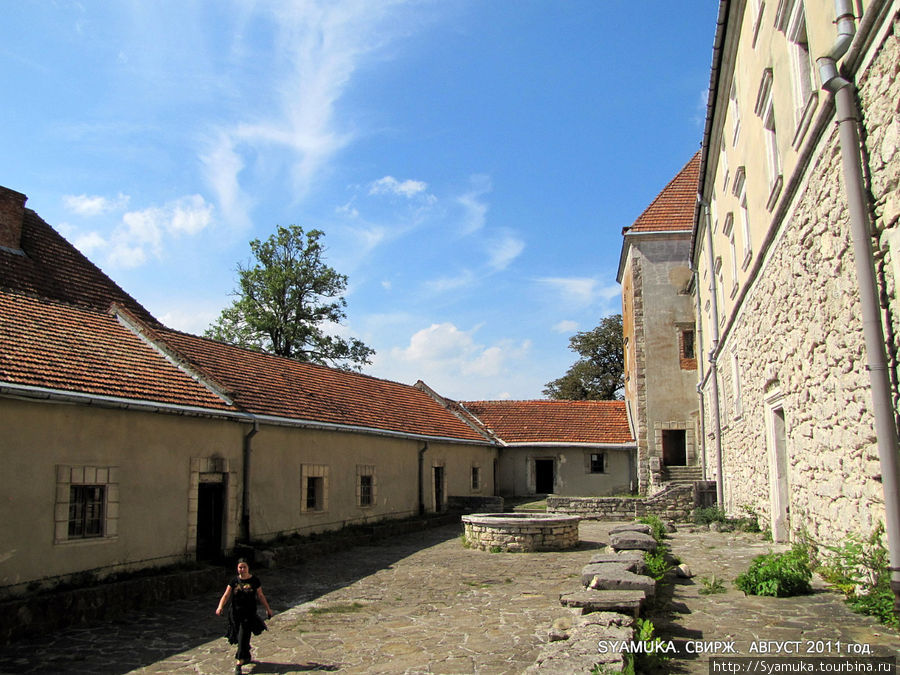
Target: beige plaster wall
point(148, 460)
point(571, 471)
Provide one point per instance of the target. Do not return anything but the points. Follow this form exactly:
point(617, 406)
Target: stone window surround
point(308, 471)
point(212, 470)
point(68, 475)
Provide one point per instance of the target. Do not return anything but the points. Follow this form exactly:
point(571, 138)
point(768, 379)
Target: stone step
point(616, 577)
point(623, 602)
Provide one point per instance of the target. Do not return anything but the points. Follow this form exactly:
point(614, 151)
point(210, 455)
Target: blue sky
point(471, 162)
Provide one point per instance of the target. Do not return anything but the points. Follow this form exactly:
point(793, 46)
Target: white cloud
point(444, 284)
point(579, 291)
point(474, 208)
point(566, 326)
point(504, 250)
point(141, 234)
point(312, 56)
point(84, 205)
point(89, 243)
point(390, 185)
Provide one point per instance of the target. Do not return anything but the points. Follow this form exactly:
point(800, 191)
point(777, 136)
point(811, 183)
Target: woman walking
point(243, 592)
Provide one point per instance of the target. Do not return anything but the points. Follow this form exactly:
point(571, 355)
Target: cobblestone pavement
point(421, 603)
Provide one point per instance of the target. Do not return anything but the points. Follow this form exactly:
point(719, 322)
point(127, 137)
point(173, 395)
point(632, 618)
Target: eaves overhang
point(20, 391)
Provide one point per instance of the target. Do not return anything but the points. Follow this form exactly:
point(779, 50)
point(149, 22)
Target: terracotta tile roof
point(673, 208)
point(264, 384)
point(554, 421)
point(50, 344)
point(52, 268)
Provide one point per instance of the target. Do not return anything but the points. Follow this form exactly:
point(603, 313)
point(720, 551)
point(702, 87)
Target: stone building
point(660, 343)
point(797, 402)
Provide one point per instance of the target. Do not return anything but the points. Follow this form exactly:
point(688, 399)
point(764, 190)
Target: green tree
point(599, 375)
point(285, 300)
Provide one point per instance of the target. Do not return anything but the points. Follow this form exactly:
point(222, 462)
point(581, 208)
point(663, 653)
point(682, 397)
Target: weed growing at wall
point(657, 528)
point(777, 574)
point(859, 569)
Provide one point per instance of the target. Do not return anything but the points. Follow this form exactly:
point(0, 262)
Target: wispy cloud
point(318, 47)
point(503, 250)
point(474, 207)
point(391, 186)
point(579, 292)
point(85, 205)
point(566, 327)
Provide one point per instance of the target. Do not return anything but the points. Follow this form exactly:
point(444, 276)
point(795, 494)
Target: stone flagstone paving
point(421, 603)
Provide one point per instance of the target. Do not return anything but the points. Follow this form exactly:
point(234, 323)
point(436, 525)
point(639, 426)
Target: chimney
point(12, 212)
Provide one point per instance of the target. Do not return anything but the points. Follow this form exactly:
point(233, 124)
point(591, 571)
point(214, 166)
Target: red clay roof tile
point(78, 349)
point(554, 421)
point(673, 208)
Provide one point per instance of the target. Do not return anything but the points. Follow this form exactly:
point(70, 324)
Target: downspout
point(245, 501)
point(422, 452)
point(713, 355)
point(701, 416)
point(860, 231)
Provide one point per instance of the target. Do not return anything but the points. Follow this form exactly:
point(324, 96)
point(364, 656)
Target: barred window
point(476, 478)
point(87, 507)
point(366, 497)
point(598, 462)
point(314, 493)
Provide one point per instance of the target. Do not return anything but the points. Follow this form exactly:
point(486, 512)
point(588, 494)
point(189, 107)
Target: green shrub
point(709, 514)
point(657, 563)
point(859, 569)
point(657, 528)
point(777, 574)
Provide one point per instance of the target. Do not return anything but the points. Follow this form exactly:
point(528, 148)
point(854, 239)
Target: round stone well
point(516, 532)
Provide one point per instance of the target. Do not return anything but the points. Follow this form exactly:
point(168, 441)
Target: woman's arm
point(225, 596)
point(265, 603)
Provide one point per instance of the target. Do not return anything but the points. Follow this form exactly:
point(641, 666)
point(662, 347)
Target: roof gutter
point(557, 444)
point(848, 115)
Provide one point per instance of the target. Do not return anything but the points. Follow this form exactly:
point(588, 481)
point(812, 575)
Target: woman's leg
point(243, 652)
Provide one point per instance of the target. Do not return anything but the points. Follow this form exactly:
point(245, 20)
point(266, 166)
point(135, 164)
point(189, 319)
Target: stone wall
point(517, 532)
point(472, 504)
point(798, 341)
point(675, 502)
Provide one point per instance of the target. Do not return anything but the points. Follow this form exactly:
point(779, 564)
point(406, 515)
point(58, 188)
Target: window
point(765, 108)
point(736, 380)
point(735, 113)
point(598, 462)
point(686, 350)
point(365, 490)
point(87, 505)
point(728, 231)
point(740, 191)
point(476, 477)
point(314, 487)
point(365, 485)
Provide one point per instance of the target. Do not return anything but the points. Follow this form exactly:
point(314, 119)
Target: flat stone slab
point(631, 527)
point(632, 541)
point(611, 556)
point(615, 577)
point(579, 654)
point(624, 602)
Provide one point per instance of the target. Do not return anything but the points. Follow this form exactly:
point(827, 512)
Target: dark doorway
point(674, 447)
point(543, 476)
point(438, 488)
point(210, 520)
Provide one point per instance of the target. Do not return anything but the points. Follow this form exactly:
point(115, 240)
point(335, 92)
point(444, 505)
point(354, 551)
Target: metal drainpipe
point(245, 506)
point(422, 452)
point(713, 355)
point(699, 348)
point(860, 231)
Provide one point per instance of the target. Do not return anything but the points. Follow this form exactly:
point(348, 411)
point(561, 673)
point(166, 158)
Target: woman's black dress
point(242, 619)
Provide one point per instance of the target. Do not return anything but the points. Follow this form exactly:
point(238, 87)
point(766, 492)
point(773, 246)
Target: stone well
point(521, 531)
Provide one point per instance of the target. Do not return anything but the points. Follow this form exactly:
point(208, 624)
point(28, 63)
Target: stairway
point(682, 474)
